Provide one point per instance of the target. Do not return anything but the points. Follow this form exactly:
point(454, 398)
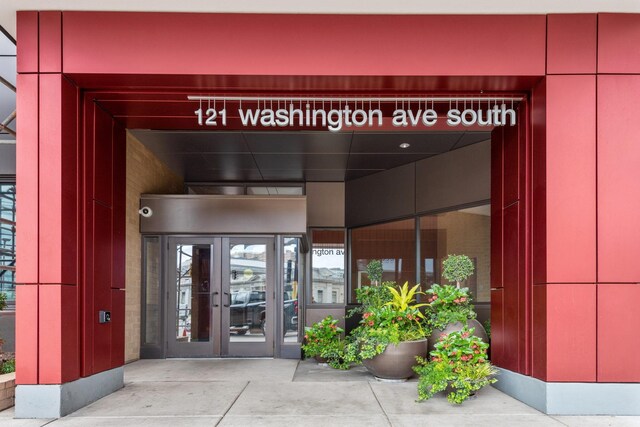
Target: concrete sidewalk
point(265, 392)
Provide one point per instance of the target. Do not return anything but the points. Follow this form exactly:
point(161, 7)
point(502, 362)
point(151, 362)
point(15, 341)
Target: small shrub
point(374, 271)
point(457, 268)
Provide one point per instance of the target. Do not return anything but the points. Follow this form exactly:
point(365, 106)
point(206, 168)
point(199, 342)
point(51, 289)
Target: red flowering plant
point(324, 339)
point(448, 304)
point(458, 364)
point(397, 320)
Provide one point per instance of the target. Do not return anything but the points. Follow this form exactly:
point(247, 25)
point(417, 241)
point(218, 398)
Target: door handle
point(213, 300)
point(228, 295)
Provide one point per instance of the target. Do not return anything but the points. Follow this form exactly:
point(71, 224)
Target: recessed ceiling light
point(405, 145)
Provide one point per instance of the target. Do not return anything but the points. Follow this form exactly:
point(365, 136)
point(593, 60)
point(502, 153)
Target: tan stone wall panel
point(146, 174)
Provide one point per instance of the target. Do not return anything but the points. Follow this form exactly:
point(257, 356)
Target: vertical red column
point(509, 245)
point(71, 226)
point(564, 205)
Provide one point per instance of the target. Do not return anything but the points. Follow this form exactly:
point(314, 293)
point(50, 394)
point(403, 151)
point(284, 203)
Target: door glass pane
point(291, 287)
point(193, 293)
point(248, 290)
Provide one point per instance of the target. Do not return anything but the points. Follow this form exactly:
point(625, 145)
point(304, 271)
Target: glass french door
point(248, 297)
point(220, 297)
point(193, 314)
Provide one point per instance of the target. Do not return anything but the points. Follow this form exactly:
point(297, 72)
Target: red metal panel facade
point(27, 47)
point(71, 232)
point(618, 320)
point(50, 40)
point(618, 178)
point(27, 334)
point(58, 147)
point(571, 44)
point(570, 172)
point(130, 43)
point(27, 160)
point(619, 43)
point(571, 332)
point(59, 360)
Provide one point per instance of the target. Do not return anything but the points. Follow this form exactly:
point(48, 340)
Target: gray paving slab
point(6, 419)
point(598, 420)
point(136, 421)
point(306, 398)
point(472, 420)
point(401, 399)
point(304, 421)
point(211, 370)
point(210, 398)
point(310, 370)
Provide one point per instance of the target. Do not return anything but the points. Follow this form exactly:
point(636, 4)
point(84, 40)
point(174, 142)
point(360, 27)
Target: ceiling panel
point(359, 173)
point(294, 175)
point(472, 138)
point(385, 161)
point(388, 142)
point(211, 175)
point(295, 156)
point(298, 142)
point(219, 161)
point(301, 161)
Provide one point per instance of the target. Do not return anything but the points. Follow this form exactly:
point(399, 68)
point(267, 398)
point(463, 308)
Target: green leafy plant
point(448, 304)
point(457, 268)
point(3, 300)
point(458, 365)
point(8, 366)
point(374, 271)
point(395, 321)
point(487, 327)
point(323, 339)
point(371, 297)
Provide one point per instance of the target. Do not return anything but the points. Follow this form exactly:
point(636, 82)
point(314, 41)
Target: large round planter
point(457, 326)
point(320, 359)
point(396, 361)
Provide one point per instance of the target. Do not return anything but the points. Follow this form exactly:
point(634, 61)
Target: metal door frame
point(248, 349)
point(209, 348)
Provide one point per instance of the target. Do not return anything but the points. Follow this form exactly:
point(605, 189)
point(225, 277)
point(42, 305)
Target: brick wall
point(146, 174)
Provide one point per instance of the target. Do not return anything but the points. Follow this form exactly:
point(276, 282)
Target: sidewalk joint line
point(379, 404)
point(233, 403)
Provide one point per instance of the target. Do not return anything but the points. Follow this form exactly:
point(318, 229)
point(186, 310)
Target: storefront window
point(394, 243)
point(8, 240)
point(327, 267)
point(463, 232)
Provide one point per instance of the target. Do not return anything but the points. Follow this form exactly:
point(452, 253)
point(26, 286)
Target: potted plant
point(323, 342)
point(449, 306)
point(458, 366)
point(391, 335)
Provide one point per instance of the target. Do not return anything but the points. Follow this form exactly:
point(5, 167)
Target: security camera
point(145, 212)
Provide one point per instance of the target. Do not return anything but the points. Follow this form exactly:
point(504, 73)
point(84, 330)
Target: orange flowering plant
point(324, 339)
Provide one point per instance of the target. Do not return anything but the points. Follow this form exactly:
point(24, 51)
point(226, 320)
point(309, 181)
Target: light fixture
point(405, 145)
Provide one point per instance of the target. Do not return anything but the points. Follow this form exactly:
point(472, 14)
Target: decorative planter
point(397, 361)
point(457, 326)
point(320, 359)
